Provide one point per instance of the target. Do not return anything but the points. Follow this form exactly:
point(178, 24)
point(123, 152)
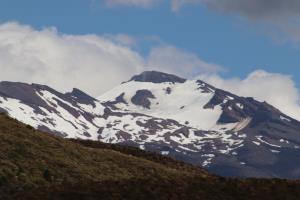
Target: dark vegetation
point(38, 166)
point(133, 151)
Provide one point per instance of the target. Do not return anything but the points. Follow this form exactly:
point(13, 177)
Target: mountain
point(227, 134)
point(36, 165)
point(189, 120)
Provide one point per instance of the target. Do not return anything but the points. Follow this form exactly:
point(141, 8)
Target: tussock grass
point(36, 165)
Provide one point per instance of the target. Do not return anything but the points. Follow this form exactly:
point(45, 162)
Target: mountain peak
point(81, 96)
point(79, 93)
point(157, 77)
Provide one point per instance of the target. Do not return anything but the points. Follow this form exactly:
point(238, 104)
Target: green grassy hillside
point(36, 165)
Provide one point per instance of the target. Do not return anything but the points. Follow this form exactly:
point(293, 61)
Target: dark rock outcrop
point(141, 98)
point(157, 77)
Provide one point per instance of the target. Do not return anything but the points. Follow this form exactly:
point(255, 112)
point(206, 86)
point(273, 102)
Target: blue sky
point(226, 40)
point(97, 44)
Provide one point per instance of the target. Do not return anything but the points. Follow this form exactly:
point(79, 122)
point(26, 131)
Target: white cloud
point(177, 61)
point(89, 62)
point(174, 4)
point(135, 3)
point(122, 39)
point(277, 89)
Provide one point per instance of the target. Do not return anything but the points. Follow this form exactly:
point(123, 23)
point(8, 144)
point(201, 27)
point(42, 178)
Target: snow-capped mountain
point(186, 119)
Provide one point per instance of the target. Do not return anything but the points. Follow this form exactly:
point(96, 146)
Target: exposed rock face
point(141, 98)
point(23, 92)
point(80, 96)
point(189, 120)
point(157, 77)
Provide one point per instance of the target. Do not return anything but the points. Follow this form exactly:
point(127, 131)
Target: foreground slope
point(35, 165)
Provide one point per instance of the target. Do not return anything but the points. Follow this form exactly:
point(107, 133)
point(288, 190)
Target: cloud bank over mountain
point(277, 89)
point(91, 62)
point(97, 63)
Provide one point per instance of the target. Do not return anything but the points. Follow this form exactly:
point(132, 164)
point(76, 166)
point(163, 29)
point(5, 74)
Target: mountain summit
point(189, 120)
point(157, 77)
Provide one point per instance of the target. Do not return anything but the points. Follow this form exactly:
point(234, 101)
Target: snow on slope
point(217, 126)
point(183, 102)
point(56, 117)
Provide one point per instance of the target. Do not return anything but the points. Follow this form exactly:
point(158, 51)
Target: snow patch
point(284, 118)
point(267, 143)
